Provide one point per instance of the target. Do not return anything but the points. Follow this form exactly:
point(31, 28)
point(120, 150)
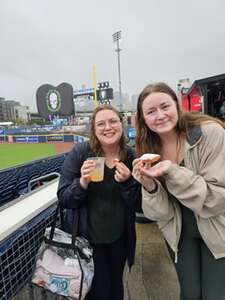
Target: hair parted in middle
point(149, 141)
point(94, 142)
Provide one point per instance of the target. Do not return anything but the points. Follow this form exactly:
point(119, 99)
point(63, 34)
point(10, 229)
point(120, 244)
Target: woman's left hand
point(157, 170)
point(122, 172)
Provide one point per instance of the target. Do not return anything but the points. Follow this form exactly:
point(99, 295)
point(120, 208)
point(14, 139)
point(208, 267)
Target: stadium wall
point(47, 138)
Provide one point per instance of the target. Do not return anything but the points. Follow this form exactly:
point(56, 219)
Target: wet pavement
point(153, 276)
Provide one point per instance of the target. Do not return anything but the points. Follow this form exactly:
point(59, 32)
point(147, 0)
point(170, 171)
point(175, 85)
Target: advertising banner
point(55, 138)
point(26, 139)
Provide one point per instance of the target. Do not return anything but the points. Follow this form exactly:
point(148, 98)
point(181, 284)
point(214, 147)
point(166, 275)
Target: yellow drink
point(97, 175)
point(98, 172)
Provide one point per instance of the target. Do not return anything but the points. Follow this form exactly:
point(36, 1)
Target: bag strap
point(75, 225)
point(59, 211)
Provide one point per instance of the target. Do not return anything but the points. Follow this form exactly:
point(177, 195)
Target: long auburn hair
point(95, 145)
point(149, 141)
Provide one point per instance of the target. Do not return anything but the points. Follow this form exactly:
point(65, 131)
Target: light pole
point(116, 39)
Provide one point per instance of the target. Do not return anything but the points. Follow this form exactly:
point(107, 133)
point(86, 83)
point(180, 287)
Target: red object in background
point(193, 101)
point(205, 95)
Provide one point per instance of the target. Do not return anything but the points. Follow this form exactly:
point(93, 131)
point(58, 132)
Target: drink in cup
point(98, 172)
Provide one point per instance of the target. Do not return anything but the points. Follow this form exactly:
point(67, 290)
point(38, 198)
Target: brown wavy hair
point(94, 142)
point(148, 140)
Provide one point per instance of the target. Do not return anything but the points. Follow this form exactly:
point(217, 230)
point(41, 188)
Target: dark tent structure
point(206, 95)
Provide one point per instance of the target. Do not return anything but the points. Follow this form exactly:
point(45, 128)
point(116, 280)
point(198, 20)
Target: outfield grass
point(15, 154)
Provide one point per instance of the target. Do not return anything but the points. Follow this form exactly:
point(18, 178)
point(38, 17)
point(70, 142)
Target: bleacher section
point(14, 181)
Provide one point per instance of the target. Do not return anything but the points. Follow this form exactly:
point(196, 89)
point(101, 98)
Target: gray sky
point(54, 41)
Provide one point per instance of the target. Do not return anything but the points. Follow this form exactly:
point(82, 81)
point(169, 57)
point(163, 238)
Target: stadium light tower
point(116, 39)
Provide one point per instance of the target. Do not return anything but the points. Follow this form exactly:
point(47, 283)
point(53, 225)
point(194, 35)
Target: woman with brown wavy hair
point(95, 144)
point(184, 192)
point(107, 208)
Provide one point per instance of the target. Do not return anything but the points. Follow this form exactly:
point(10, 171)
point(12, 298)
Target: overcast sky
point(55, 41)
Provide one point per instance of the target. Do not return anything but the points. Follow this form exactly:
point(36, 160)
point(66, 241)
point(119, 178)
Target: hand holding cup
point(97, 172)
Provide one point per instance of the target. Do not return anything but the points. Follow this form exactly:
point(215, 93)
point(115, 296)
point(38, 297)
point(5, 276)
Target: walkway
point(153, 276)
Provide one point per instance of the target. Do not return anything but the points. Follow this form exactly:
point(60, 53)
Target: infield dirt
point(63, 147)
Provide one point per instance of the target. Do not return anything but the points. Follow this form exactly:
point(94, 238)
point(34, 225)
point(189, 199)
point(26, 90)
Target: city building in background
point(11, 110)
point(2, 109)
point(124, 104)
point(134, 99)
point(22, 112)
point(84, 99)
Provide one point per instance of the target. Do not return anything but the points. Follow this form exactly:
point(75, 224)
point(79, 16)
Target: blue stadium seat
point(14, 181)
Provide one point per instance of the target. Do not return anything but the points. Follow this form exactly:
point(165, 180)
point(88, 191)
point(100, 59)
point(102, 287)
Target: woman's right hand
point(86, 169)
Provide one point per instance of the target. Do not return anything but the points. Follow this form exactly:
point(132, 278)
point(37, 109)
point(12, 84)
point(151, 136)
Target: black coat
point(72, 196)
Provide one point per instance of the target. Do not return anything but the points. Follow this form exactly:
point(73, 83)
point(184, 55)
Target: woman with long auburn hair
point(184, 192)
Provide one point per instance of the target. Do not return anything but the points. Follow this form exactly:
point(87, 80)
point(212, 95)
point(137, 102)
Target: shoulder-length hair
point(149, 141)
point(95, 145)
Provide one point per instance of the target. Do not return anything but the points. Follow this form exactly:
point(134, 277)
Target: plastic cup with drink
point(98, 172)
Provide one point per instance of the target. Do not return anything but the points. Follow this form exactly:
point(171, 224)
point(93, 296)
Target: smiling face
point(160, 112)
point(108, 127)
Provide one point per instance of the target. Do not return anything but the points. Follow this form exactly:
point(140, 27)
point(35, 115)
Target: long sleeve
point(202, 189)
point(70, 193)
point(156, 206)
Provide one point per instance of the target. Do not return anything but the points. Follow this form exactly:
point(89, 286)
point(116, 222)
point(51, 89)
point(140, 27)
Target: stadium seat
point(14, 181)
point(7, 194)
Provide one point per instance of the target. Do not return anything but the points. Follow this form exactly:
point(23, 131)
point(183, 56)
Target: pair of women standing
point(185, 191)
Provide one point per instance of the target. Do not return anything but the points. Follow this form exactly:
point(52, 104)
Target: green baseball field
point(15, 154)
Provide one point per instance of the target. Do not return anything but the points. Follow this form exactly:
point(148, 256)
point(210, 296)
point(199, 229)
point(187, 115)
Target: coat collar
point(194, 136)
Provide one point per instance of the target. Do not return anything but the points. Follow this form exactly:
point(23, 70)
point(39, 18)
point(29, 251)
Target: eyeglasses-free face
point(160, 112)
